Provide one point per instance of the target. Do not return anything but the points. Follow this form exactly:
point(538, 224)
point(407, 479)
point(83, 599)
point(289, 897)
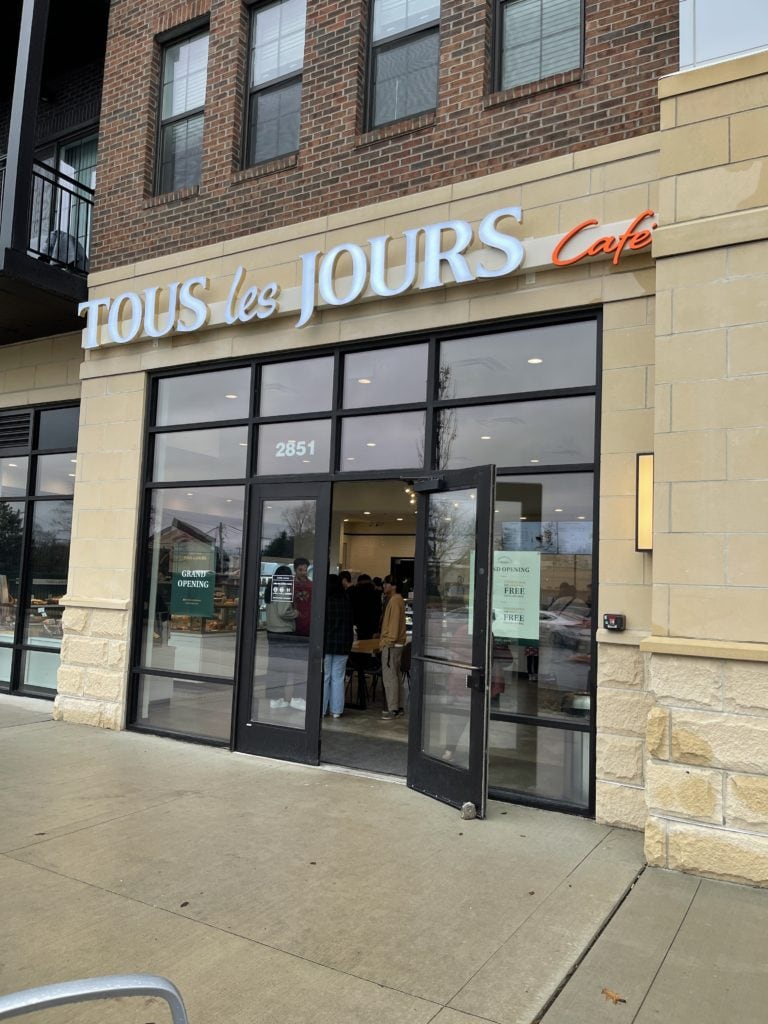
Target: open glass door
point(449, 703)
point(280, 671)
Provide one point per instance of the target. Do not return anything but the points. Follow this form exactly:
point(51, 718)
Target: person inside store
point(366, 607)
point(391, 643)
point(302, 595)
point(287, 662)
point(337, 645)
point(345, 578)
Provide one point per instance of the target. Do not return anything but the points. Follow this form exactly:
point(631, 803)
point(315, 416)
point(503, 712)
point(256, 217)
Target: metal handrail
point(59, 218)
point(61, 176)
point(63, 992)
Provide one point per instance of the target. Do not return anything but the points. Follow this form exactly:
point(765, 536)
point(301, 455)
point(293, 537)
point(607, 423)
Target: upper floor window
point(274, 95)
point(180, 150)
point(539, 38)
point(405, 43)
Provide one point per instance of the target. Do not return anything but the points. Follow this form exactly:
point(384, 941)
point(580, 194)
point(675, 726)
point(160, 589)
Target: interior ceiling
point(384, 499)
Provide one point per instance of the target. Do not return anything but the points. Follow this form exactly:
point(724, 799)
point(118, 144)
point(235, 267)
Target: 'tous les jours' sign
point(452, 252)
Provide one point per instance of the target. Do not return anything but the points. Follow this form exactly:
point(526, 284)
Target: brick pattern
point(473, 132)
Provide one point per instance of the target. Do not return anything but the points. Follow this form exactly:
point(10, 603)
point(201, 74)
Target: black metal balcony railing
point(59, 218)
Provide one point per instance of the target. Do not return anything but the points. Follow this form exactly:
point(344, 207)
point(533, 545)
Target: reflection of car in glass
point(568, 626)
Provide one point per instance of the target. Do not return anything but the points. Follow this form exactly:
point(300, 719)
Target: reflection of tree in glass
point(300, 519)
point(280, 546)
point(450, 539)
point(445, 423)
point(11, 524)
point(51, 530)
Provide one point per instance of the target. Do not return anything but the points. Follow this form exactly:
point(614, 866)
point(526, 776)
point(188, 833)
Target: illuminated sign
point(453, 253)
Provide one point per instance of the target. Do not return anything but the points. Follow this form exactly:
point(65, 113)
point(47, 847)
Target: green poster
point(193, 580)
point(515, 594)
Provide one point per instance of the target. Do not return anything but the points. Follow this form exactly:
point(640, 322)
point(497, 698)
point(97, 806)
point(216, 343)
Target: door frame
point(442, 780)
point(287, 744)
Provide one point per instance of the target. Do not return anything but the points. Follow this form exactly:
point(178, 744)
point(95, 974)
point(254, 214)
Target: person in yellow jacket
point(392, 641)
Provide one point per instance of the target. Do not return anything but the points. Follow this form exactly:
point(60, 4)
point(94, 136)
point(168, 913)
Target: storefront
point(490, 449)
point(416, 388)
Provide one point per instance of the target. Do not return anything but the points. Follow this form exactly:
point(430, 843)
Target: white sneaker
point(298, 703)
point(281, 702)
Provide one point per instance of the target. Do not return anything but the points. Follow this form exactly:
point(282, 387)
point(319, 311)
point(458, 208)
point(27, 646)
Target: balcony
point(49, 108)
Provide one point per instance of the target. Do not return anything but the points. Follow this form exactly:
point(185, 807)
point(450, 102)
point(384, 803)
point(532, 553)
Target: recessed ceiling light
point(455, 504)
point(190, 494)
point(472, 496)
point(447, 519)
point(269, 506)
point(12, 465)
point(363, 380)
point(243, 444)
point(366, 513)
point(535, 460)
point(370, 444)
point(581, 517)
point(71, 460)
point(496, 511)
point(306, 460)
point(399, 519)
point(350, 458)
point(413, 501)
point(523, 518)
point(346, 520)
point(485, 437)
point(230, 396)
point(557, 510)
point(535, 361)
point(70, 474)
point(230, 500)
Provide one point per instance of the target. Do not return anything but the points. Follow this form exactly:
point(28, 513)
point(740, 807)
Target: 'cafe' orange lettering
point(630, 239)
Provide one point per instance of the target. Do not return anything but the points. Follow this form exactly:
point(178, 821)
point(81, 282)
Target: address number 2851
point(287, 449)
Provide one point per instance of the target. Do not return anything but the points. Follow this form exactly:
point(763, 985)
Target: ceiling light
point(370, 444)
point(455, 504)
point(413, 501)
point(581, 517)
point(523, 518)
point(557, 510)
point(230, 396)
point(306, 461)
point(350, 458)
point(230, 500)
point(366, 513)
point(485, 437)
point(346, 520)
point(535, 361)
point(243, 444)
point(70, 474)
point(190, 494)
point(269, 506)
point(71, 460)
point(472, 497)
point(535, 460)
point(14, 464)
point(399, 519)
point(363, 380)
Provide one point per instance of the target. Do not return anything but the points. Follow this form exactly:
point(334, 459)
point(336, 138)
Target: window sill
point(390, 131)
point(172, 197)
point(280, 163)
point(519, 92)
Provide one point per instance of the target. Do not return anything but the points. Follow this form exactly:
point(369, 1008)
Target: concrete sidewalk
point(270, 892)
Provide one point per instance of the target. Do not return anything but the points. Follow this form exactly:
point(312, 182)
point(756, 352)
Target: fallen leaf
point(614, 997)
point(184, 904)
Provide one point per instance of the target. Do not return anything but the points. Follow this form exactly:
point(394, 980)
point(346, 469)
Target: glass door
point(449, 702)
point(280, 669)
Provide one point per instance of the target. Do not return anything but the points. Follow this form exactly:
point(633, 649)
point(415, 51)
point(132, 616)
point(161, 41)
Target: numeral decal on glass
point(287, 449)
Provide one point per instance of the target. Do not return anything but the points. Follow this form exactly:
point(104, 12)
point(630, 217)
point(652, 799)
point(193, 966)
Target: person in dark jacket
point(338, 643)
point(366, 607)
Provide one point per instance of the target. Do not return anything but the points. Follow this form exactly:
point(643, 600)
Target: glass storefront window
point(56, 474)
point(47, 567)
point(201, 397)
point(301, 385)
point(190, 707)
point(285, 603)
point(385, 376)
point(192, 589)
point(13, 476)
point(291, 448)
point(6, 664)
point(58, 428)
point(551, 433)
point(393, 441)
point(11, 536)
point(201, 454)
point(534, 359)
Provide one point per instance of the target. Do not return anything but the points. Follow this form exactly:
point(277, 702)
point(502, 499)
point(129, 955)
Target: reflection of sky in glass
point(553, 432)
point(499, 363)
point(56, 474)
point(221, 395)
point(216, 512)
point(304, 385)
point(382, 442)
point(13, 476)
point(385, 376)
point(201, 454)
point(558, 498)
point(53, 518)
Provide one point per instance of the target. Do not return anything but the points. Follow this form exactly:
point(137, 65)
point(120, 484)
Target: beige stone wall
point(93, 677)
point(40, 371)
point(707, 765)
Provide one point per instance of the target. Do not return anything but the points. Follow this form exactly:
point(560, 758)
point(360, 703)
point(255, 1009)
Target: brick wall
point(628, 45)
